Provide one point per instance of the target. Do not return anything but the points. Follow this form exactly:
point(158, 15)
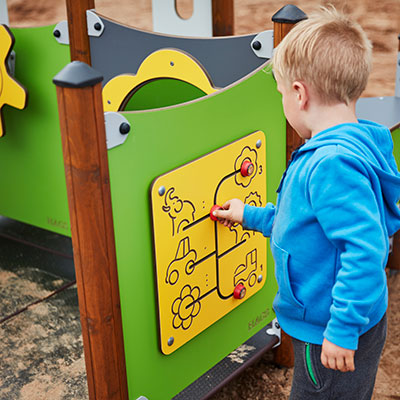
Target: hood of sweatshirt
point(372, 144)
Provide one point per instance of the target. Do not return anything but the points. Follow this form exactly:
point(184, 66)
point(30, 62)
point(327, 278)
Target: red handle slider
point(247, 168)
point(214, 208)
point(239, 292)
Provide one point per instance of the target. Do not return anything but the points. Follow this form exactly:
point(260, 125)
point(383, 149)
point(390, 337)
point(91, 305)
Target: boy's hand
point(336, 357)
point(232, 213)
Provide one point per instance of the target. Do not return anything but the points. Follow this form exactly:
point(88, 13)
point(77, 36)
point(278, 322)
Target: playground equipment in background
point(386, 111)
point(159, 140)
point(180, 117)
point(167, 20)
point(11, 92)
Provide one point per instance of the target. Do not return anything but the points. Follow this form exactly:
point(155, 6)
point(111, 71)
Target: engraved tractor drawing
point(180, 211)
point(247, 272)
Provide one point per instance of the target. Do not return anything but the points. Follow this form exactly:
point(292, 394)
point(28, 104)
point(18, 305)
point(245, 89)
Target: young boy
point(335, 211)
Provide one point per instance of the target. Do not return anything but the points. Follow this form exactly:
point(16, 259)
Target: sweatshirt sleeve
point(259, 219)
point(342, 193)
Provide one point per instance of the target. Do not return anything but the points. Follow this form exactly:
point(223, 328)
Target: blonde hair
point(330, 52)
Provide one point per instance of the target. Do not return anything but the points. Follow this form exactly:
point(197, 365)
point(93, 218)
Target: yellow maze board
point(199, 262)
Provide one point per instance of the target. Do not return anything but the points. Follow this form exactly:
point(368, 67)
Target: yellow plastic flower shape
point(186, 307)
point(11, 92)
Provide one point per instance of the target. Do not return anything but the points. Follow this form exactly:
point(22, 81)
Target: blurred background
point(380, 19)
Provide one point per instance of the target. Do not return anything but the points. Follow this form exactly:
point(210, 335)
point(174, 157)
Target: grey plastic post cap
point(289, 14)
point(77, 74)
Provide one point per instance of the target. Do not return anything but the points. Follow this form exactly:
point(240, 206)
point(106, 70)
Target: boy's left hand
point(336, 357)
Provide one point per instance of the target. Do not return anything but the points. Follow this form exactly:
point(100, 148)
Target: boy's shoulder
point(333, 160)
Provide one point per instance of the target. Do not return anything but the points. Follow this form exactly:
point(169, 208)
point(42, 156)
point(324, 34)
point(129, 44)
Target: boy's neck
point(323, 116)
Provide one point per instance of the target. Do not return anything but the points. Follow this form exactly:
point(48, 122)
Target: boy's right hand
point(232, 213)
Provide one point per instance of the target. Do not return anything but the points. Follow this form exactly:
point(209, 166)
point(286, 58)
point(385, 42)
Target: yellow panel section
point(161, 64)
point(199, 262)
point(11, 92)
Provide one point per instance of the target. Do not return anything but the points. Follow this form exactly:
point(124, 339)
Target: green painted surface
point(396, 145)
point(32, 188)
point(162, 93)
point(159, 141)
point(33, 191)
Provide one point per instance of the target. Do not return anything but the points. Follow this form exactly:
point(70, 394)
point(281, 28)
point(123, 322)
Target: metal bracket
point(94, 24)
point(397, 87)
point(11, 63)
point(275, 330)
point(95, 27)
point(263, 44)
point(390, 244)
point(117, 128)
point(60, 32)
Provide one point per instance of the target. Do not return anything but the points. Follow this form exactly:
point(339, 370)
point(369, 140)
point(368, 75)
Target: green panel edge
point(159, 141)
point(396, 145)
point(33, 188)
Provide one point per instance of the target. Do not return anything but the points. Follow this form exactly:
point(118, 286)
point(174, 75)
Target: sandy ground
point(381, 20)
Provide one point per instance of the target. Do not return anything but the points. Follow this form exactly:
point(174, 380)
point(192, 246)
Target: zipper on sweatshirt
point(309, 364)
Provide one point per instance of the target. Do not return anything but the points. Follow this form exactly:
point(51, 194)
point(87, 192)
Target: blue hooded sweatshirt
point(336, 208)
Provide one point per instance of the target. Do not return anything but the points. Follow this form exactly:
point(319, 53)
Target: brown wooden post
point(86, 168)
point(223, 17)
point(284, 20)
point(77, 29)
point(394, 256)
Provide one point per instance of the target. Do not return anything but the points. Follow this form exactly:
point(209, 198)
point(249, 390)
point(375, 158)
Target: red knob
point(247, 168)
point(214, 208)
point(239, 292)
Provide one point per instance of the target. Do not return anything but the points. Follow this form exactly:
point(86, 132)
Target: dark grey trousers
point(311, 380)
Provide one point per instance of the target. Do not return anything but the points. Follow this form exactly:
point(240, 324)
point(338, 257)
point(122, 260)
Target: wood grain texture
point(223, 17)
point(77, 28)
point(283, 354)
point(86, 168)
point(293, 140)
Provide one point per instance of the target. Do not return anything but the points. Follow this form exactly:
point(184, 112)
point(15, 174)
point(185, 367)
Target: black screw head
point(257, 45)
point(57, 33)
point(124, 128)
point(97, 26)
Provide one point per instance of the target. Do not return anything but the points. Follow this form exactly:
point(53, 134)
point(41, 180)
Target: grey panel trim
point(11, 63)
point(167, 20)
point(4, 13)
point(122, 49)
point(115, 136)
point(397, 87)
point(95, 25)
point(275, 330)
point(384, 110)
point(60, 32)
point(266, 40)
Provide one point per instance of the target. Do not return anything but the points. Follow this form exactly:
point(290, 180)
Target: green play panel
point(158, 142)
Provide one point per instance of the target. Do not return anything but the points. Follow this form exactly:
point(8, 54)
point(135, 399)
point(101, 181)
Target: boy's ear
point(302, 94)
